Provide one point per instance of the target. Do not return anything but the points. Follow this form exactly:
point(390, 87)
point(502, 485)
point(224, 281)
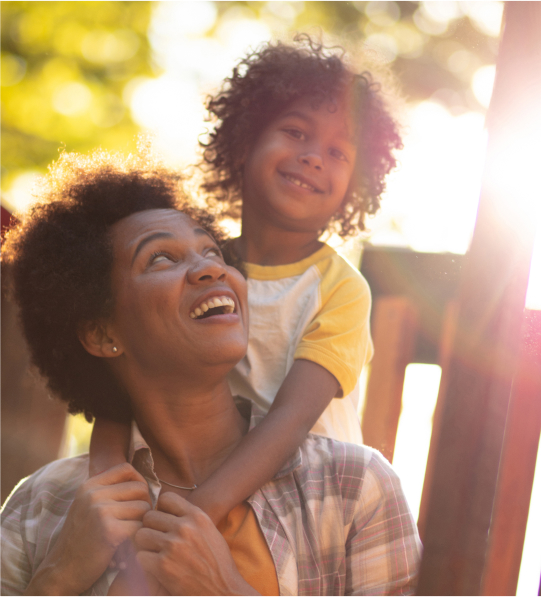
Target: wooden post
point(491, 304)
point(394, 331)
point(517, 468)
point(445, 351)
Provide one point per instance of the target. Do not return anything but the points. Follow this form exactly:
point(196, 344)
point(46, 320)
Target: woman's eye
point(213, 253)
point(158, 257)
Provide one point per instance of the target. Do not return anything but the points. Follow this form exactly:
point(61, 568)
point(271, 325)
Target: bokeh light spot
point(20, 194)
point(384, 45)
point(460, 61)
point(102, 47)
point(107, 110)
point(441, 12)
point(409, 41)
point(178, 19)
point(172, 110)
point(72, 99)
point(383, 13)
point(482, 84)
point(13, 69)
point(485, 16)
point(286, 11)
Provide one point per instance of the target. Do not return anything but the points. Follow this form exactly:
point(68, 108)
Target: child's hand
point(109, 445)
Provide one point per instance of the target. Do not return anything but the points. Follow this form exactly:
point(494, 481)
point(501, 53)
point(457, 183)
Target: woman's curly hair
point(262, 85)
point(59, 259)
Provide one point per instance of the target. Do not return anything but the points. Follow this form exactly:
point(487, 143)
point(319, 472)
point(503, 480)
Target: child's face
point(298, 171)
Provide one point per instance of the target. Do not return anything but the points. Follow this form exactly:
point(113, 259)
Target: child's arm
point(109, 445)
point(305, 393)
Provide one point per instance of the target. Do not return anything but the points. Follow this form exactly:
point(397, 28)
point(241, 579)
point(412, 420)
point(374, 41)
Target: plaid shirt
point(335, 519)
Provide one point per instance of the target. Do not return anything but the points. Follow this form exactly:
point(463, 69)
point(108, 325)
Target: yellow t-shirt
point(316, 309)
point(249, 549)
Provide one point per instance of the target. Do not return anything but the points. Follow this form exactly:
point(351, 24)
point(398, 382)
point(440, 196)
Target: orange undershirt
point(249, 549)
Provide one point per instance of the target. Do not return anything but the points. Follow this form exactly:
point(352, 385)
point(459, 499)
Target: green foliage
point(68, 67)
point(65, 67)
point(431, 56)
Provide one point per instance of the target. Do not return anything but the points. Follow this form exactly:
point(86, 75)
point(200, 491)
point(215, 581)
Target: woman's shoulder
point(50, 486)
point(349, 465)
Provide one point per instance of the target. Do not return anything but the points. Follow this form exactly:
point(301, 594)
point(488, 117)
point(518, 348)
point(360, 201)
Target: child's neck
point(270, 245)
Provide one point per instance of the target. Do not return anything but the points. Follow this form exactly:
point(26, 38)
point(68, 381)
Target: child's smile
point(300, 181)
point(299, 169)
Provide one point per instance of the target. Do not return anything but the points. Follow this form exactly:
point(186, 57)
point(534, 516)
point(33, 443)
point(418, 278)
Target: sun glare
point(431, 201)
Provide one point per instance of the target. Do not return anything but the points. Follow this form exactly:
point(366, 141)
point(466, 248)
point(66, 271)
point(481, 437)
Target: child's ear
point(97, 339)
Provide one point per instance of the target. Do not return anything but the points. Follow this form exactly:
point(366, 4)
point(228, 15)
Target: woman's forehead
point(150, 219)
point(130, 230)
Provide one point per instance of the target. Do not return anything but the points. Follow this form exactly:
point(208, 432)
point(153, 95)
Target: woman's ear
point(97, 340)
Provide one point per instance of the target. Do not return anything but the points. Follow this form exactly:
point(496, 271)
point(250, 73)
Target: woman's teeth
point(227, 304)
point(299, 183)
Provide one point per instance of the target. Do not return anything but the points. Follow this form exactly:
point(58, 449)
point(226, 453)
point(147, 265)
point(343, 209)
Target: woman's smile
point(218, 302)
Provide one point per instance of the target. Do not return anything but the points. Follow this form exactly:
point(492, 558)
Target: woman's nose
point(205, 269)
point(312, 159)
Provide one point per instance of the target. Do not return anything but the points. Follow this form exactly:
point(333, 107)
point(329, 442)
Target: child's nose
point(312, 159)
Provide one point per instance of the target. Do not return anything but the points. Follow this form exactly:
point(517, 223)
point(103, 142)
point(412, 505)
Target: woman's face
point(167, 274)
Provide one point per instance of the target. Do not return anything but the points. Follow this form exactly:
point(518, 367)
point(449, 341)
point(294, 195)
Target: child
point(301, 145)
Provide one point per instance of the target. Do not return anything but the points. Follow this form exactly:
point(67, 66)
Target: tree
point(65, 68)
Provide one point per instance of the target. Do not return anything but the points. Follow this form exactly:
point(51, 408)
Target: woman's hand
point(107, 510)
point(181, 547)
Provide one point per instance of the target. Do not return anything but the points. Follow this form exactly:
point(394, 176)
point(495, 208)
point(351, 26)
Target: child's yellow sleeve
point(338, 338)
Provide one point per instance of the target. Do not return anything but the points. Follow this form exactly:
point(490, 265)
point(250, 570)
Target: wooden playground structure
point(465, 313)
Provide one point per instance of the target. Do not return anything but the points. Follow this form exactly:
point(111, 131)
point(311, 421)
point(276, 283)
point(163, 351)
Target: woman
point(131, 313)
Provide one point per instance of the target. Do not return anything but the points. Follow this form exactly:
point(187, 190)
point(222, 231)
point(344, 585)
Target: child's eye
point(336, 153)
point(295, 133)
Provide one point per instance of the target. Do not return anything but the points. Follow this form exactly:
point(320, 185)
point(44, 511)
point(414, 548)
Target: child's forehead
point(336, 114)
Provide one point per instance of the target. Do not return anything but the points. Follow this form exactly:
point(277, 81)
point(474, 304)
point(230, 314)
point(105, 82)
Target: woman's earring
point(114, 349)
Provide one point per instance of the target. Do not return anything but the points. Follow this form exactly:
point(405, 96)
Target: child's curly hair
point(59, 259)
point(263, 85)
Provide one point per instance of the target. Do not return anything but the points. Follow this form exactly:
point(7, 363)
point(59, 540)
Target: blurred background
point(78, 75)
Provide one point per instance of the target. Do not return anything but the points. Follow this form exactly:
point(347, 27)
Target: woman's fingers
point(174, 504)
point(160, 521)
point(133, 510)
point(149, 561)
point(121, 483)
point(122, 492)
point(149, 540)
point(118, 474)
